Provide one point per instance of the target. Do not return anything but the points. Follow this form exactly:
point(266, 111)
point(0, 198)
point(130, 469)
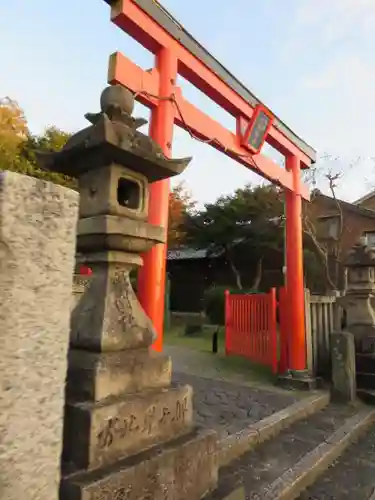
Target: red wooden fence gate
point(283, 330)
point(251, 327)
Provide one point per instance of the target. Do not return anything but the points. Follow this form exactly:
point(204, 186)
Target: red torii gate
point(177, 52)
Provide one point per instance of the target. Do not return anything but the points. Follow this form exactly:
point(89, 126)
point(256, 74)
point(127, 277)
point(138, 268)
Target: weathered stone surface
point(114, 164)
point(37, 248)
point(111, 232)
point(98, 434)
point(103, 182)
point(238, 493)
point(182, 469)
point(225, 406)
point(94, 376)
point(236, 445)
point(80, 285)
point(260, 468)
point(351, 477)
point(343, 367)
point(358, 301)
point(109, 317)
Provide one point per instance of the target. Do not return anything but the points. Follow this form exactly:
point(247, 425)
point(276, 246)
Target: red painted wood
point(251, 328)
point(284, 330)
point(85, 270)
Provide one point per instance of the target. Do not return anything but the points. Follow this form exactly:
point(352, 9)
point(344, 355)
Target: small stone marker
point(37, 254)
point(343, 367)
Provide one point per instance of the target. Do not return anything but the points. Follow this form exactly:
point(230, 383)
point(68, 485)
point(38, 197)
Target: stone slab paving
point(259, 468)
point(225, 405)
point(351, 477)
point(228, 407)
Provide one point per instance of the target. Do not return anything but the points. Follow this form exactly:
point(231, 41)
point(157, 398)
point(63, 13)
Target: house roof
point(187, 253)
point(351, 207)
point(365, 197)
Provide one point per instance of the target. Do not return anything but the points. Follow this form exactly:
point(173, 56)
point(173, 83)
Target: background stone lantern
point(360, 293)
point(119, 397)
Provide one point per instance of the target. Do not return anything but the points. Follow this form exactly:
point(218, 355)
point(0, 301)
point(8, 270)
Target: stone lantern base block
point(364, 338)
point(185, 468)
point(97, 434)
point(95, 376)
point(109, 317)
point(300, 380)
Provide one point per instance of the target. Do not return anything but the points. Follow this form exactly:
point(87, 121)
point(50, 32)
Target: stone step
point(365, 380)
point(351, 477)
point(236, 494)
point(366, 395)
point(365, 363)
point(185, 468)
point(284, 466)
point(97, 434)
point(250, 437)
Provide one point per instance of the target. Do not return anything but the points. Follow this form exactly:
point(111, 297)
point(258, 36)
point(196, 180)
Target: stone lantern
point(360, 293)
point(114, 164)
point(121, 408)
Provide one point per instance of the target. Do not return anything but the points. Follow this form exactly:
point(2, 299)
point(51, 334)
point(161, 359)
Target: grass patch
point(225, 366)
point(235, 365)
point(199, 342)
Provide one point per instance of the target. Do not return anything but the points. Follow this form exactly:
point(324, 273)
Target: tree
point(252, 216)
point(53, 139)
point(330, 170)
point(18, 145)
point(180, 205)
point(13, 132)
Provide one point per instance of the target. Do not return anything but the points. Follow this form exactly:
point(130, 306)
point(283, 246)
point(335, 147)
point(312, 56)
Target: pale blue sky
point(309, 60)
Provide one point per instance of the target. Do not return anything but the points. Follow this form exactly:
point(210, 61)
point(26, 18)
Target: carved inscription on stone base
point(113, 431)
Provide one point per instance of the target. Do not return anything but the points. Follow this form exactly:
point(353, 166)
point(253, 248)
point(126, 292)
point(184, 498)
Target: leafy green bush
point(214, 304)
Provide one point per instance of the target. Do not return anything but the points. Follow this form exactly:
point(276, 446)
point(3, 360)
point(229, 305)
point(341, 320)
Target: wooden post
point(309, 337)
point(273, 329)
point(227, 332)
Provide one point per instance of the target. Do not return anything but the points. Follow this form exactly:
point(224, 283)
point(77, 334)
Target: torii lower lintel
point(145, 84)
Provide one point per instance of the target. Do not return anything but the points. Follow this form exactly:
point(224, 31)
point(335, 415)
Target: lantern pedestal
point(128, 433)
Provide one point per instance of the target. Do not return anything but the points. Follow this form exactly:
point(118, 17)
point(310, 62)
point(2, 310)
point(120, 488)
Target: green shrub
point(214, 304)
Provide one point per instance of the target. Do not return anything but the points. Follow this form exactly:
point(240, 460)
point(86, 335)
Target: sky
point(308, 60)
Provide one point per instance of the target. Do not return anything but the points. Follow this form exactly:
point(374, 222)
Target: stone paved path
point(227, 406)
point(351, 477)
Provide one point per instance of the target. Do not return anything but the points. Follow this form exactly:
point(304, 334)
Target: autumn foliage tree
point(13, 132)
point(18, 145)
point(180, 205)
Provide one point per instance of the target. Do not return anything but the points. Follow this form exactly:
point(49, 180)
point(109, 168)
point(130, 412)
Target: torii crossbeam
point(178, 53)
